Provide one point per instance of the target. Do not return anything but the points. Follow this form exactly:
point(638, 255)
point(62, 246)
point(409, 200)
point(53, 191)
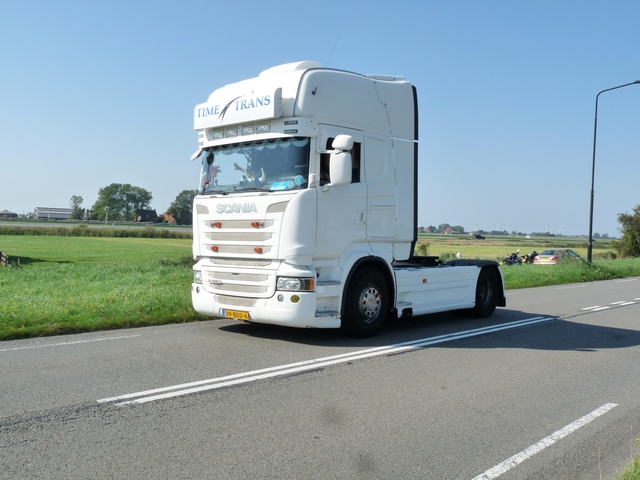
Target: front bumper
point(280, 309)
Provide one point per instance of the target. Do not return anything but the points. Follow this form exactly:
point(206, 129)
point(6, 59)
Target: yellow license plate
point(236, 314)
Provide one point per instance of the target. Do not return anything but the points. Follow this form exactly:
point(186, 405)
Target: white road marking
point(62, 344)
point(626, 280)
point(620, 303)
point(582, 285)
point(596, 308)
point(297, 367)
point(511, 462)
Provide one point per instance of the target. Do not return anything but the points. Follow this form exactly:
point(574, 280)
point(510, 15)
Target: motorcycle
point(529, 257)
point(513, 259)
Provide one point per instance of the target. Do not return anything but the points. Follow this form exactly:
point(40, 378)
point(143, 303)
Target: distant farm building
point(52, 213)
point(144, 215)
point(7, 214)
point(168, 217)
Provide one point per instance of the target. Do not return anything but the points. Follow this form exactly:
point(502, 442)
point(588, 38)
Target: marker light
point(247, 129)
point(258, 249)
point(263, 128)
point(214, 248)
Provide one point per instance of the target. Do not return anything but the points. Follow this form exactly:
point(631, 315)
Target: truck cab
point(307, 206)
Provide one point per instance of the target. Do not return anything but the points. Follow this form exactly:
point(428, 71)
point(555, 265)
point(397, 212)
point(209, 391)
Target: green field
point(80, 284)
point(498, 247)
point(66, 284)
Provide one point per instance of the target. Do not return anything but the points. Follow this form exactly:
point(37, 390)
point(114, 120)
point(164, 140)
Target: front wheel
point(486, 292)
point(367, 303)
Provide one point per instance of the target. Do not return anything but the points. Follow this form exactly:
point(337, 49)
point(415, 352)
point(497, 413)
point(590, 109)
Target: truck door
point(380, 177)
point(342, 210)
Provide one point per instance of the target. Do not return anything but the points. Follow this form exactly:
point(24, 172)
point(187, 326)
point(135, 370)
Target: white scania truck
point(306, 214)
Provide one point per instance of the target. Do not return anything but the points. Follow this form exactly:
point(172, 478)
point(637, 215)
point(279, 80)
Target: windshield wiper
point(251, 189)
point(215, 192)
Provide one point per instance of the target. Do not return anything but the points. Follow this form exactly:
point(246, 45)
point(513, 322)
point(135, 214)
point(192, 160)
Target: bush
point(421, 249)
point(629, 244)
point(85, 231)
point(608, 255)
point(446, 256)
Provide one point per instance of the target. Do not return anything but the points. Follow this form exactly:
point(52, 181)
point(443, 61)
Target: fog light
point(281, 298)
point(295, 298)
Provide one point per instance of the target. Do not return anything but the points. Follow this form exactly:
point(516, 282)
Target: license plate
point(236, 314)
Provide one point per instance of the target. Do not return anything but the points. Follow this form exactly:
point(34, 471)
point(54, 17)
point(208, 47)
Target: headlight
point(295, 284)
point(197, 276)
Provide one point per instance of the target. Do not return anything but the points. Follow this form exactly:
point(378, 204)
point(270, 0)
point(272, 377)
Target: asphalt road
point(545, 389)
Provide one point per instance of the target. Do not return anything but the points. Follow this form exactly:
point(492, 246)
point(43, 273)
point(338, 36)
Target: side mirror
point(340, 160)
point(343, 142)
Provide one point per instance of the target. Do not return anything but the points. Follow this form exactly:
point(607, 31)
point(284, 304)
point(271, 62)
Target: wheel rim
point(370, 303)
point(486, 291)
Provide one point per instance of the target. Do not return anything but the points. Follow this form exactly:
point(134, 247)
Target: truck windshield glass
point(269, 165)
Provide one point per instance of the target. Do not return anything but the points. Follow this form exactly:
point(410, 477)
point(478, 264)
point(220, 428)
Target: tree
point(76, 203)
point(182, 207)
point(629, 243)
point(442, 227)
point(121, 201)
point(458, 229)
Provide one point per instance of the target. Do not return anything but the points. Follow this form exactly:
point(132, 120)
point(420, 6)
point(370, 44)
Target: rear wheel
point(366, 304)
point(486, 292)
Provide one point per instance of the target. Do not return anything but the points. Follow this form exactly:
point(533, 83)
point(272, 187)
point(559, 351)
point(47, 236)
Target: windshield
point(269, 165)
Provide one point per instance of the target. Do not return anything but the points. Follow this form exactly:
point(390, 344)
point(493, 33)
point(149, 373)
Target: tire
point(486, 293)
point(366, 304)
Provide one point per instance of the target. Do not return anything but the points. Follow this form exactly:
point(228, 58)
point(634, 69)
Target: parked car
point(556, 255)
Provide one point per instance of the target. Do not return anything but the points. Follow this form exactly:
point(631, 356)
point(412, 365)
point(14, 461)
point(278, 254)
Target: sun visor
point(221, 110)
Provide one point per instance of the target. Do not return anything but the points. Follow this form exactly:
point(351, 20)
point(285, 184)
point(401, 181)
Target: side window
point(355, 163)
point(324, 164)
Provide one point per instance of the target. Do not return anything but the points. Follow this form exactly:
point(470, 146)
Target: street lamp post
point(593, 167)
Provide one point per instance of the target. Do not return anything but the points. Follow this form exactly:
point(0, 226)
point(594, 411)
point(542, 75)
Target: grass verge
point(54, 299)
point(80, 284)
point(632, 471)
point(526, 276)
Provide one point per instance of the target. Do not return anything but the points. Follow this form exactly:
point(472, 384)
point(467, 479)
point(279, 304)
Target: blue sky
point(100, 92)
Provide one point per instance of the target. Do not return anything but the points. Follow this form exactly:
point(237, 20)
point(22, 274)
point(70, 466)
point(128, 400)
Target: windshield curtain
point(269, 165)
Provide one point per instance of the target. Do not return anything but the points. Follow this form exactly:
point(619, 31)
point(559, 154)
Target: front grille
point(236, 301)
point(260, 284)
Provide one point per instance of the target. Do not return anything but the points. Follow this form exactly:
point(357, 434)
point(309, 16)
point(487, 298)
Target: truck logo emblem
point(215, 281)
point(226, 107)
point(236, 208)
